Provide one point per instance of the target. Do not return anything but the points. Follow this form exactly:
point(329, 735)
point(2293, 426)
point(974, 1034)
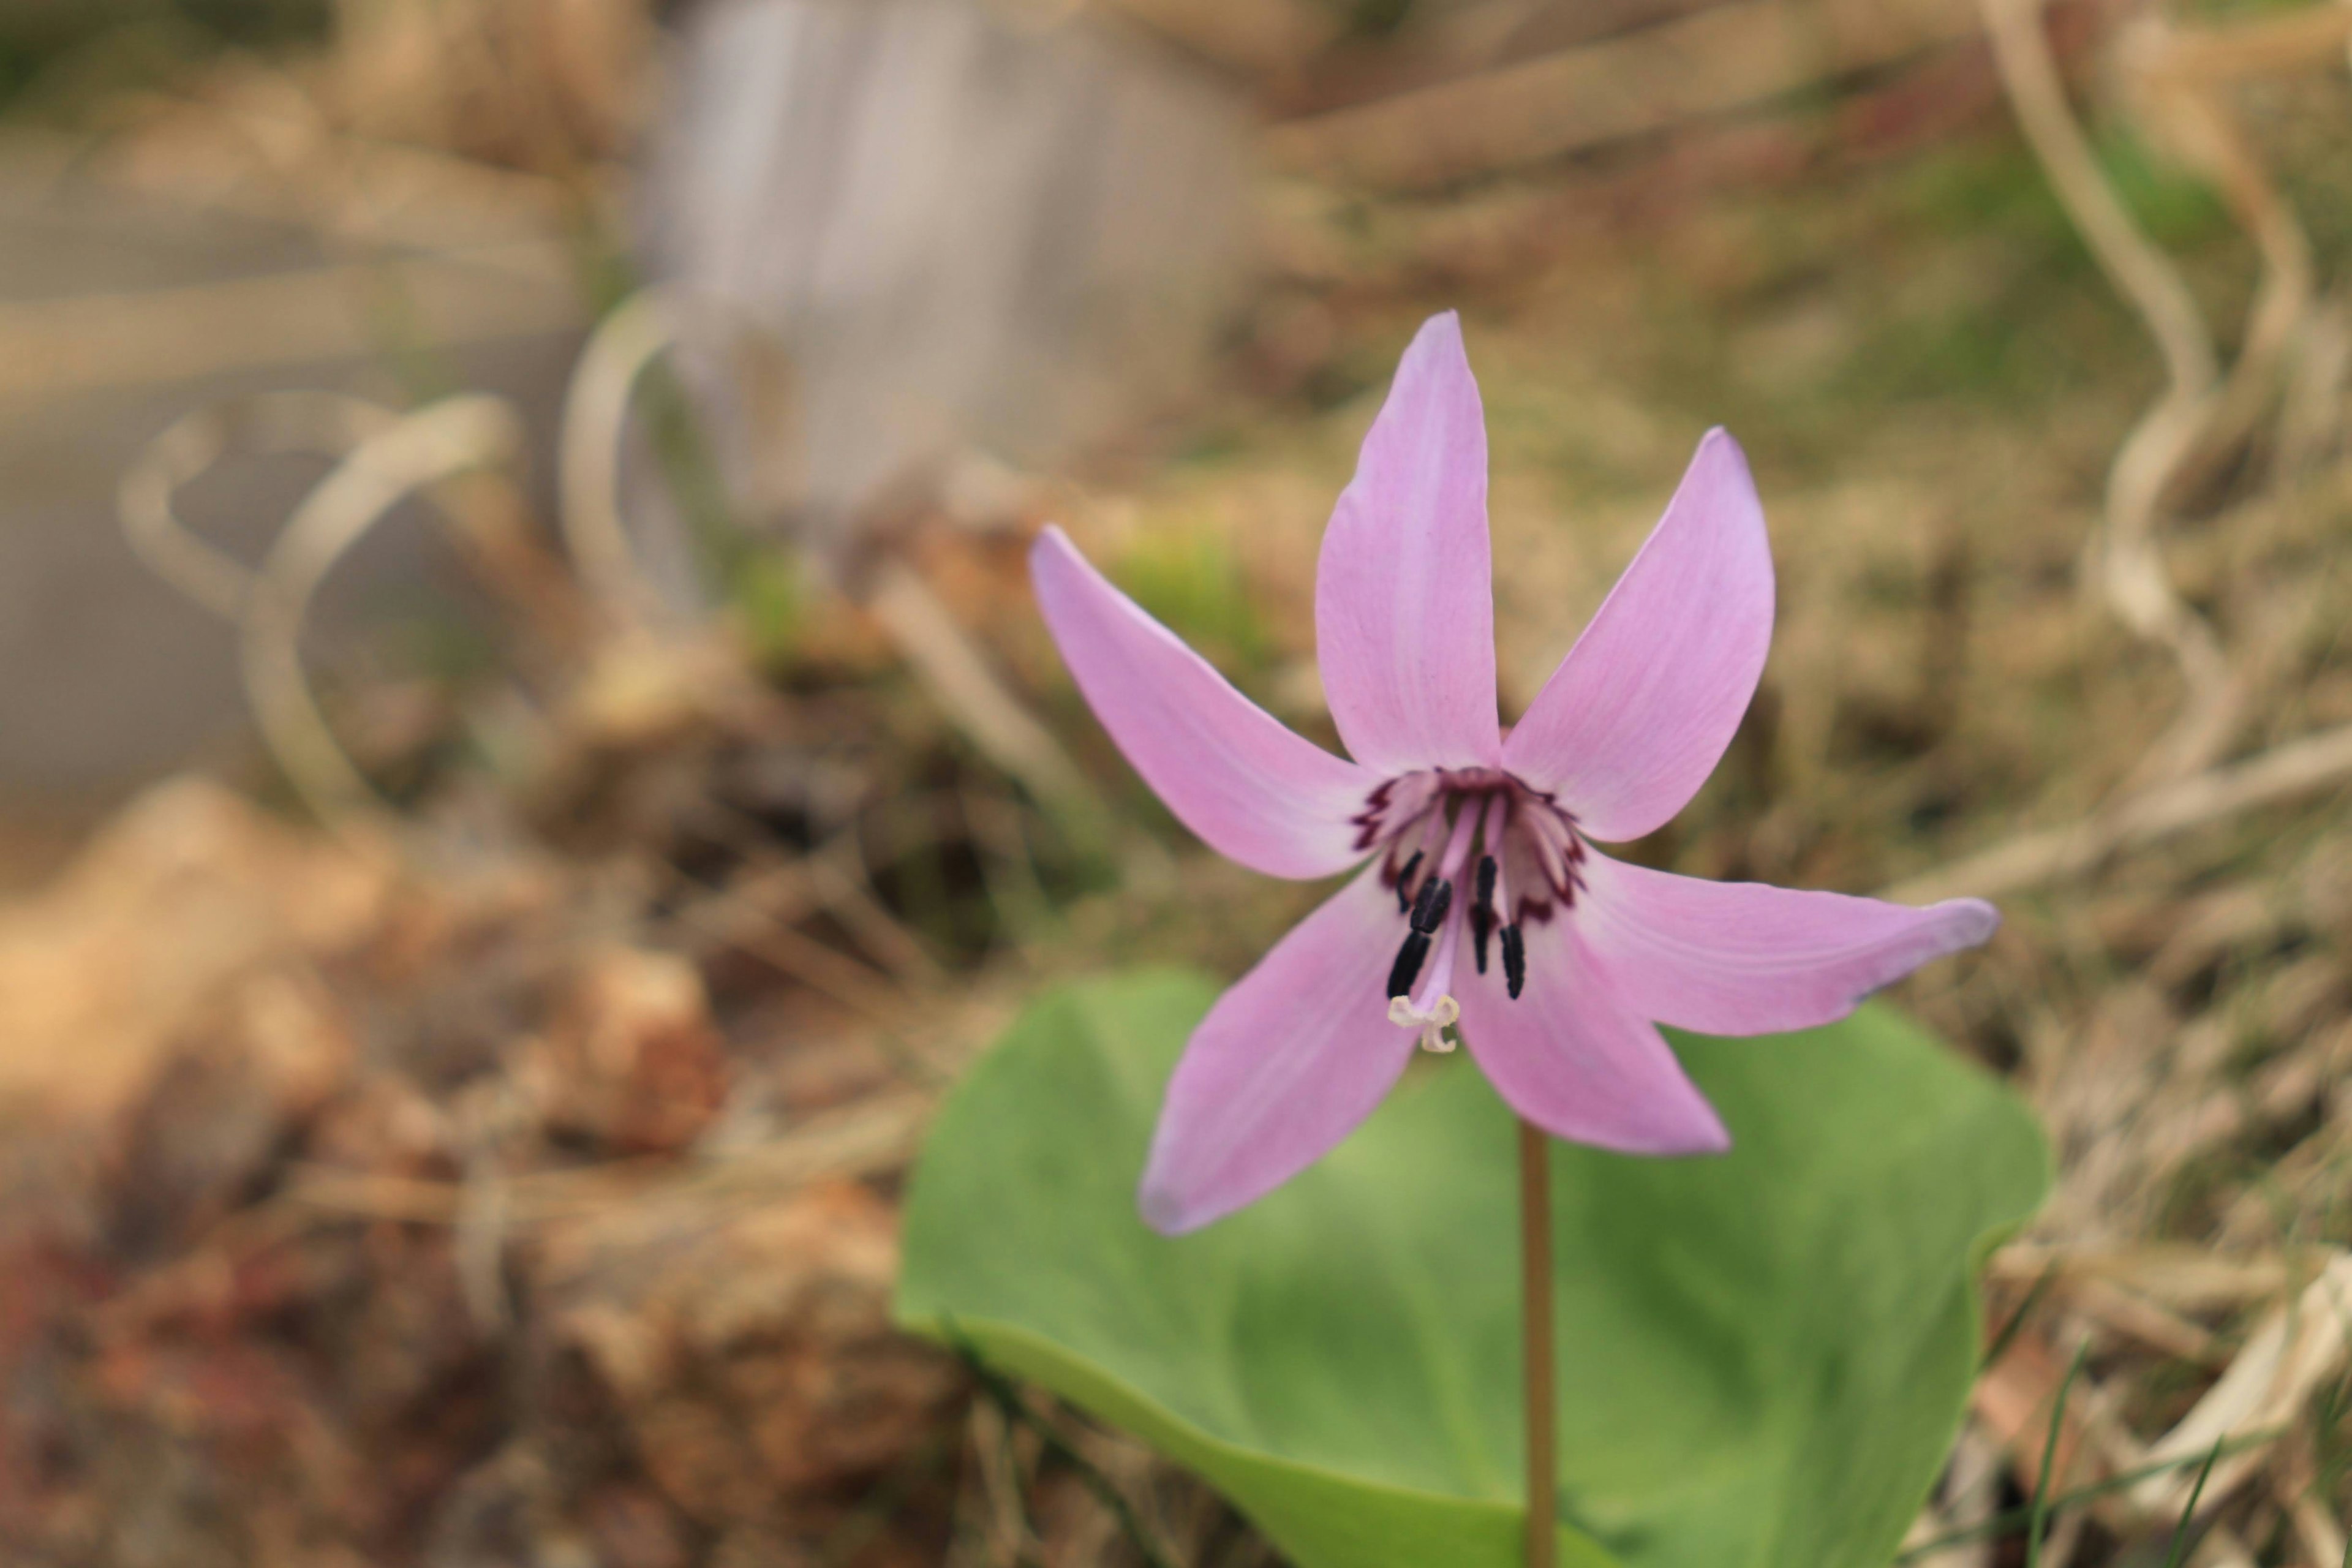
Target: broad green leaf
point(1763, 1356)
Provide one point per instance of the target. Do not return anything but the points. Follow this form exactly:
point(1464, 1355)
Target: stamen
point(1482, 910)
point(1498, 817)
point(1407, 967)
point(1550, 861)
point(1429, 909)
point(1433, 828)
point(1405, 881)
point(1440, 978)
point(1557, 851)
point(1504, 913)
point(1521, 854)
point(1457, 846)
point(1515, 960)
point(1548, 821)
point(1432, 1006)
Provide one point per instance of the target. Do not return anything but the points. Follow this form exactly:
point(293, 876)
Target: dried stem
point(2294, 347)
point(2123, 556)
point(1016, 1413)
point(455, 436)
point(326, 422)
point(1536, 1323)
point(596, 418)
point(2286, 772)
point(624, 346)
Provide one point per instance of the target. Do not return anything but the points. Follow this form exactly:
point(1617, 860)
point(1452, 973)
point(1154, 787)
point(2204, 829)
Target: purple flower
point(1481, 899)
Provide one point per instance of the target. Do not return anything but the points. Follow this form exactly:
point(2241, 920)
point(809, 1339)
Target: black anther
point(1429, 909)
point(1405, 881)
point(1407, 968)
point(1514, 961)
point(1481, 912)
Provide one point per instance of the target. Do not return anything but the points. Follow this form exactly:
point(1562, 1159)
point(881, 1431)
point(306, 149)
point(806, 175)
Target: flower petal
point(1284, 1066)
point(1570, 1056)
point(1742, 958)
point(1641, 710)
point(1404, 595)
point(1253, 790)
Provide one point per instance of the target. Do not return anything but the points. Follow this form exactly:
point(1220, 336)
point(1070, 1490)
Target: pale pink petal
point(1284, 1066)
point(1404, 600)
point(1231, 772)
point(1571, 1056)
point(1741, 958)
point(1639, 712)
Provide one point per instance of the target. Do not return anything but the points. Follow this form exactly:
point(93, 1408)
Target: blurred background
point(527, 760)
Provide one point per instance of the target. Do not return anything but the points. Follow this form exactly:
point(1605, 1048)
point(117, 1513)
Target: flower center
point(1472, 848)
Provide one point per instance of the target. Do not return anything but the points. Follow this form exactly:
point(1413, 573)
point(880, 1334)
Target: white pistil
point(1431, 1023)
point(1430, 1008)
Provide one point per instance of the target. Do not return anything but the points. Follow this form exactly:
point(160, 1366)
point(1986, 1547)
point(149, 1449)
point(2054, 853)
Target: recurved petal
point(1572, 1057)
point(1641, 710)
point(1284, 1066)
point(1742, 958)
point(1253, 790)
point(1404, 594)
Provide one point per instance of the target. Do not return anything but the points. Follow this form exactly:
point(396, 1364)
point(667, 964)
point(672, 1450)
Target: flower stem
point(1535, 1326)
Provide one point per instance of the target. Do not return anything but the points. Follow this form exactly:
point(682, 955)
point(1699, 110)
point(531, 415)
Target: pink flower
point(1481, 899)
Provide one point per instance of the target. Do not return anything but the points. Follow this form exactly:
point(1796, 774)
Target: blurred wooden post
point(966, 234)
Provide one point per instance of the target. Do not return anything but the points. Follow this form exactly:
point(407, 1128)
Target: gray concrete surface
point(118, 313)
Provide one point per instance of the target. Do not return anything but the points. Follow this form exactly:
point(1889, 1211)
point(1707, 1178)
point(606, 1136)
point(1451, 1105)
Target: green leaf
point(1763, 1356)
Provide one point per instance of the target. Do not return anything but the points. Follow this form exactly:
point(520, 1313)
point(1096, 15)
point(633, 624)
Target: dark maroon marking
point(1369, 820)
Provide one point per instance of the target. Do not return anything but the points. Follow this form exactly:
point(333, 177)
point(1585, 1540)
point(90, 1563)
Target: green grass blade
point(2001, 1342)
point(2016, 1518)
point(2179, 1553)
point(2039, 1516)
